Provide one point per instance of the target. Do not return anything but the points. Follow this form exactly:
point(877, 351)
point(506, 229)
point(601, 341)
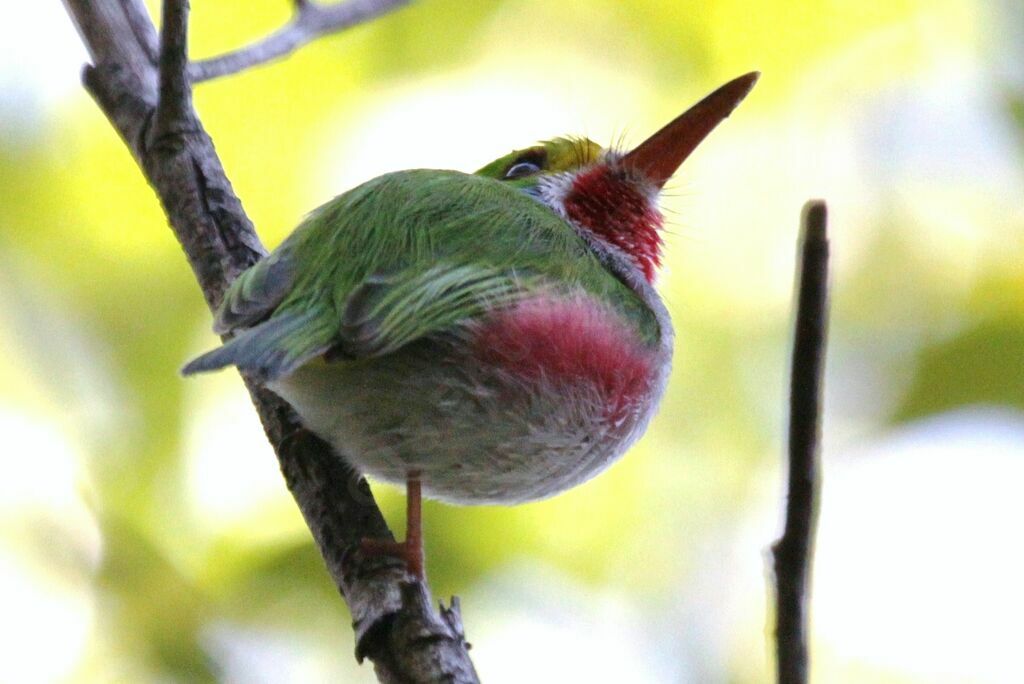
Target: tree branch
point(394, 622)
point(793, 552)
point(174, 103)
point(309, 22)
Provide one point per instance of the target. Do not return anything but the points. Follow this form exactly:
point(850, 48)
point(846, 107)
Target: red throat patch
point(570, 341)
point(609, 205)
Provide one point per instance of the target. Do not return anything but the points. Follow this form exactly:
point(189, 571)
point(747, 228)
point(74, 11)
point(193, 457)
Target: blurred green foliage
point(98, 308)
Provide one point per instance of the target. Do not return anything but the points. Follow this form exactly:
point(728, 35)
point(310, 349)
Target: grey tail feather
point(270, 350)
point(255, 295)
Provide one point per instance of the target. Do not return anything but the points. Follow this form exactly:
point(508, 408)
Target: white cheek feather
point(553, 189)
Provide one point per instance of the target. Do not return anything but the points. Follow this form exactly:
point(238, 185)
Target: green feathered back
point(403, 256)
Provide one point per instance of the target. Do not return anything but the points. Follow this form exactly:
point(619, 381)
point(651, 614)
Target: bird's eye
point(521, 170)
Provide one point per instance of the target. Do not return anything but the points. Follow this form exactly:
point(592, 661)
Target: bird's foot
point(403, 550)
point(410, 550)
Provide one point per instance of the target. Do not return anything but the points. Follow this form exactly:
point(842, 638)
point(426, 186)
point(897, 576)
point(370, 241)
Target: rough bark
point(142, 85)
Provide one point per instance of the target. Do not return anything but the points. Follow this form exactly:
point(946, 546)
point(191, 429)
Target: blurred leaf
point(156, 609)
point(982, 365)
point(1015, 106)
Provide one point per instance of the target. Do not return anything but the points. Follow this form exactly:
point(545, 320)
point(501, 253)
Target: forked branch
point(151, 108)
point(793, 552)
point(309, 22)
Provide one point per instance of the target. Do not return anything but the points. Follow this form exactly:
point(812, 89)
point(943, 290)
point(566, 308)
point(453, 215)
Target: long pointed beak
point(659, 156)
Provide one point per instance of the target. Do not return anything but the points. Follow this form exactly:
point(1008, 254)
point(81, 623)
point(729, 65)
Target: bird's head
point(612, 196)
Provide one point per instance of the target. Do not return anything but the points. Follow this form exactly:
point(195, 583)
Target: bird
point(481, 338)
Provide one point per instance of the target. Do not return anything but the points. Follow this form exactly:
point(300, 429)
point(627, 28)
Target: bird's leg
point(410, 550)
point(414, 526)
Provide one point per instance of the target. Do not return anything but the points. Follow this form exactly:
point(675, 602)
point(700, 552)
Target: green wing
point(385, 313)
point(382, 315)
point(405, 256)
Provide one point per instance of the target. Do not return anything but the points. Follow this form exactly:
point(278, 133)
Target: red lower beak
point(659, 156)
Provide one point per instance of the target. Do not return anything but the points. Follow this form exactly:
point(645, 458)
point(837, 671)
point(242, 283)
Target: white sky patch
point(42, 58)
point(530, 623)
point(47, 610)
point(918, 564)
point(233, 477)
point(248, 655)
point(920, 561)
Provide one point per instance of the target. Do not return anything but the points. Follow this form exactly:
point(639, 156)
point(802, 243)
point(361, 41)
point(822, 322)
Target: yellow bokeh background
point(146, 535)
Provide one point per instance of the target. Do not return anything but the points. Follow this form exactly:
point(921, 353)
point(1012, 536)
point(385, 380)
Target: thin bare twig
point(174, 103)
point(309, 22)
point(793, 552)
point(395, 625)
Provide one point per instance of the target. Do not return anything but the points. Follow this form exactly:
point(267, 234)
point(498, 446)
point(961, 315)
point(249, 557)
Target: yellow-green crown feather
point(552, 156)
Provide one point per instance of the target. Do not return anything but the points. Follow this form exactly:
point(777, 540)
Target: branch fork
point(143, 85)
